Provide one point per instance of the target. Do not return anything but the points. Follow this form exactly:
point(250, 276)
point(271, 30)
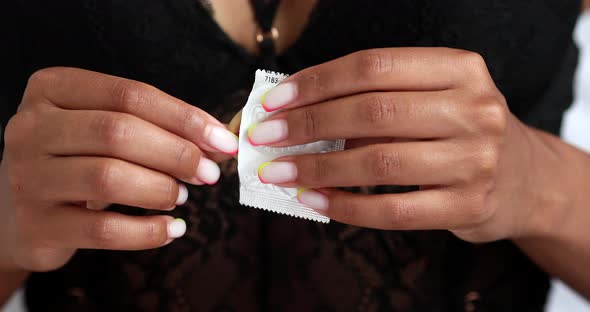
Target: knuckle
point(190, 123)
point(44, 76)
point(155, 233)
point(311, 123)
point(19, 126)
point(348, 212)
point(113, 129)
point(102, 231)
point(399, 215)
point(313, 80)
point(488, 162)
point(128, 95)
point(103, 179)
point(170, 194)
point(373, 62)
point(383, 164)
point(473, 62)
point(479, 213)
point(378, 110)
point(493, 115)
point(478, 167)
point(315, 169)
point(187, 159)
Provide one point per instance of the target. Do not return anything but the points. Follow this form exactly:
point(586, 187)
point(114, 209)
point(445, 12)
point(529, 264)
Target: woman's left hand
point(431, 117)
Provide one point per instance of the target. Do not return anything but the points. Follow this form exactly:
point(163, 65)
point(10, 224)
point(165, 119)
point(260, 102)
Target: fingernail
point(279, 96)
point(208, 171)
point(222, 139)
point(268, 132)
point(277, 172)
point(312, 199)
point(182, 194)
point(176, 228)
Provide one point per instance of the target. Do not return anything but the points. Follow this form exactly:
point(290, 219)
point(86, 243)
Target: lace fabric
point(239, 259)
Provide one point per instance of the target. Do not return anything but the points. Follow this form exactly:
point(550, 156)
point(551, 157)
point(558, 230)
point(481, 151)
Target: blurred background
point(576, 130)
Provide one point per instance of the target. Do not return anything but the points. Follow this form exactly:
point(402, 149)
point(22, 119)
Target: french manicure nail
point(208, 171)
point(176, 228)
point(277, 172)
point(279, 96)
point(222, 139)
point(312, 199)
point(182, 194)
point(268, 132)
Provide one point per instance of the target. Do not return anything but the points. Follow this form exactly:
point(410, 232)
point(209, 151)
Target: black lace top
point(240, 259)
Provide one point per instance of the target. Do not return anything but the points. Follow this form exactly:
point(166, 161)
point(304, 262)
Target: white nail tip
point(176, 228)
point(280, 96)
point(268, 132)
point(279, 172)
point(313, 199)
point(182, 194)
point(222, 139)
point(208, 171)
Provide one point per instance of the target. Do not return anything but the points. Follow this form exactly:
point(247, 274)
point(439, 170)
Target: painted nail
point(222, 139)
point(279, 96)
point(277, 172)
point(268, 132)
point(208, 171)
point(176, 228)
point(312, 199)
point(182, 194)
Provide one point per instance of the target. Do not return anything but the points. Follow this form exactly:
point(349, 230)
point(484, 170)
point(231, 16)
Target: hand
point(413, 116)
point(81, 140)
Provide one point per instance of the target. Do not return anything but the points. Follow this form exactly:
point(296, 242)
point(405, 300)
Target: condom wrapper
point(254, 193)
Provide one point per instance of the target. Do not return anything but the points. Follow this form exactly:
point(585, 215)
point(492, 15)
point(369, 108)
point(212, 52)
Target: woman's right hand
point(82, 138)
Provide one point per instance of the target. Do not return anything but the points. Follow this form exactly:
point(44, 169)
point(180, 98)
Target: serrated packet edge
point(270, 197)
point(290, 207)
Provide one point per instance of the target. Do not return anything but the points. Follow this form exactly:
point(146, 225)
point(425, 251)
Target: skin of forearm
point(561, 244)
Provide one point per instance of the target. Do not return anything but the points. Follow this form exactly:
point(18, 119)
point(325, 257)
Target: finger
point(234, 124)
point(78, 89)
point(122, 136)
point(391, 69)
point(75, 227)
point(74, 179)
point(421, 210)
point(423, 115)
point(413, 163)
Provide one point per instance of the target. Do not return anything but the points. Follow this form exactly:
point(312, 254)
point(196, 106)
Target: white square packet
point(267, 196)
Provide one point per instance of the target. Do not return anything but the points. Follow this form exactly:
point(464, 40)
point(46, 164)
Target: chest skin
point(238, 21)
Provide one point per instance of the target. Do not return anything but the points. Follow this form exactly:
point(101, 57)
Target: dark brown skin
point(506, 189)
point(69, 151)
point(485, 176)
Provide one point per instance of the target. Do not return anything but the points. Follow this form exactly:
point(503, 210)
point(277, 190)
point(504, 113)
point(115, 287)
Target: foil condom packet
point(253, 192)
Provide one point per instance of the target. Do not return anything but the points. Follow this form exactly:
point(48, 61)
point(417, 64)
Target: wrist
point(554, 186)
